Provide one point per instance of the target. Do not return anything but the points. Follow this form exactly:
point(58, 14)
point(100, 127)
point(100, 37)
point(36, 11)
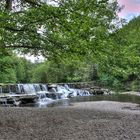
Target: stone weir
point(92, 87)
point(27, 93)
point(24, 93)
point(16, 99)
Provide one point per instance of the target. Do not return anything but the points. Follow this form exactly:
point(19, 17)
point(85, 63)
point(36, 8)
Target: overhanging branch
point(22, 46)
point(14, 29)
point(33, 2)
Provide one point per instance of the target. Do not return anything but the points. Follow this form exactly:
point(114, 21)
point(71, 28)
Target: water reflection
point(116, 97)
point(69, 101)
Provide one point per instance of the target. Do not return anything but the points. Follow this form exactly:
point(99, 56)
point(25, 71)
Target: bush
point(110, 81)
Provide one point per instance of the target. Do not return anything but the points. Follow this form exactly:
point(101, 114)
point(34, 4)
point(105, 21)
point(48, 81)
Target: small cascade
point(41, 93)
point(26, 89)
point(76, 92)
point(15, 102)
point(30, 89)
point(43, 87)
point(82, 92)
point(47, 95)
point(65, 92)
point(53, 90)
point(37, 87)
point(4, 102)
point(43, 100)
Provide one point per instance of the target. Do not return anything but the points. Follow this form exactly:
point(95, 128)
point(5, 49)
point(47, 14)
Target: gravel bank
point(83, 121)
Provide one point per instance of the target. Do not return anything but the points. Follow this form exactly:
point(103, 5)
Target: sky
point(131, 8)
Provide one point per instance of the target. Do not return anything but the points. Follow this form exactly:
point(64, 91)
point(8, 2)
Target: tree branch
point(33, 2)
point(22, 46)
point(14, 29)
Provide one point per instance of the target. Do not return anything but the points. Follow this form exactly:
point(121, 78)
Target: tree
point(70, 27)
point(121, 62)
point(59, 72)
point(14, 69)
point(7, 73)
point(132, 48)
point(129, 47)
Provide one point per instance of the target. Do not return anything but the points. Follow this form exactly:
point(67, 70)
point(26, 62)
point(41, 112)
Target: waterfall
point(15, 102)
point(41, 92)
point(43, 100)
point(43, 87)
point(30, 89)
point(64, 91)
point(45, 94)
point(4, 102)
point(26, 89)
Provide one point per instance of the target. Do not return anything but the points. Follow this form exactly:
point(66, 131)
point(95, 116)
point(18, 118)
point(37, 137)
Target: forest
point(81, 41)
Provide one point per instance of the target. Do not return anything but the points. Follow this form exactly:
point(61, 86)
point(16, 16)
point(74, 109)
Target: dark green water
point(116, 97)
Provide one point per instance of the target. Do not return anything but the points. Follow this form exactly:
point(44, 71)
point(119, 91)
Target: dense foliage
point(14, 69)
point(80, 39)
point(74, 27)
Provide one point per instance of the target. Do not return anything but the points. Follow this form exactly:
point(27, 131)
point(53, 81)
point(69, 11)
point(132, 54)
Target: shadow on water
point(116, 97)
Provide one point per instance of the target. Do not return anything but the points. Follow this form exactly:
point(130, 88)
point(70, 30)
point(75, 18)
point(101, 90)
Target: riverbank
point(81, 121)
point(131, 93)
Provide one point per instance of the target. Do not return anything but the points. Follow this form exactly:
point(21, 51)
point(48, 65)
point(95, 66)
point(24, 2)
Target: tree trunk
point(8, 5)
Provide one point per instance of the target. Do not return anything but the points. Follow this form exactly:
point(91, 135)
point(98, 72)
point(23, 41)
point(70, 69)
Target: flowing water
point(68, 101)
point(59, 95)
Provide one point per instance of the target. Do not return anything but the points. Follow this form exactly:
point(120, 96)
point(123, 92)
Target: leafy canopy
point(68, 27)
